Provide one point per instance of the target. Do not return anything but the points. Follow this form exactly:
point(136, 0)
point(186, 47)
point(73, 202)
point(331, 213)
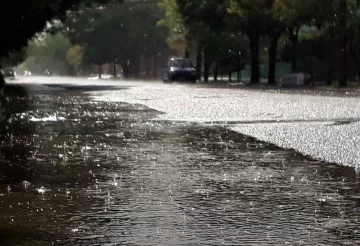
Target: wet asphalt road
point(102, 167)
point(323, 127)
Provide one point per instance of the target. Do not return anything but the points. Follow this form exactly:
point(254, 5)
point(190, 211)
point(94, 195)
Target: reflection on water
point(87, 173)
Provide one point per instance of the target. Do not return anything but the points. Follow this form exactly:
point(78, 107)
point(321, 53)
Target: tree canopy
point(28, 18)
point(208, 23)
point(119, 34)
point(221, 35)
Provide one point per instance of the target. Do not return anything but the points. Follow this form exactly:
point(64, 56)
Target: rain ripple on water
point(107, 174)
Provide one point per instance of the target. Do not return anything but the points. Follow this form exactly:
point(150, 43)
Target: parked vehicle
point(179, 69)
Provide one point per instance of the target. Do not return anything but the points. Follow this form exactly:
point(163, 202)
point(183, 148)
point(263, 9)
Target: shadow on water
point(105, 173)
point(16, 146)
point(15, 137)
point(84, 88)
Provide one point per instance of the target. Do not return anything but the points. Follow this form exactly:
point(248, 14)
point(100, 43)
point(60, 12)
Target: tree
point(337, 19)
point(177, 36)
point(48, 52)
point(343, 24)
point(123, 34)
point(28, 19)
point(232, 55)
point(253, 18)
point(208, 32)
point(332, 17)
point(74, 56)
point(354, 40)
point(294, 14)
point(205, 22)
point(172, 20)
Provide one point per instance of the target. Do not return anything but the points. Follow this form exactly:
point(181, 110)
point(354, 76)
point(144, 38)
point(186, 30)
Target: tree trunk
point(115, 70)
point(187, 53)
point(230, 77)
point(198, 62)
point(255, 63)
point(126, 69)
point(133, 68)
point(2, 81)
point(330, 67)
point(207, 64)
point(343, 77)
point(294, 39)
point(330, 71)
point(272, 59)
point(2, 99)
point(294, 56)
point(239, 76)
point(216, 71)
point(155, 67)
point(355, 57)
point(100, 70)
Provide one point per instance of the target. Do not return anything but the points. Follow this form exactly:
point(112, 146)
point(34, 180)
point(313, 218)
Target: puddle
point(110, 175)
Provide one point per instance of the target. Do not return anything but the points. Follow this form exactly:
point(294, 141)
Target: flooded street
point(78, 171)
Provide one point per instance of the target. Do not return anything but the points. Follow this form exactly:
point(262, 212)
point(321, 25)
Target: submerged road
point(145, 163)
point(326, 128)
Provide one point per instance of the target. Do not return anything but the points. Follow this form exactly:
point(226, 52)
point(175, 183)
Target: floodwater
point(78, 172)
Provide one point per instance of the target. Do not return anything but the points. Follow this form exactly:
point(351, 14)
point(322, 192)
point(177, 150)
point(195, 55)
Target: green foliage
point(172, 19)
point(28, 18)
point(252, 15)
point(202, 19)
point(118, 33)
point(217, 29)
point(74, 56)
point(296, 12)
point(48, 52)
